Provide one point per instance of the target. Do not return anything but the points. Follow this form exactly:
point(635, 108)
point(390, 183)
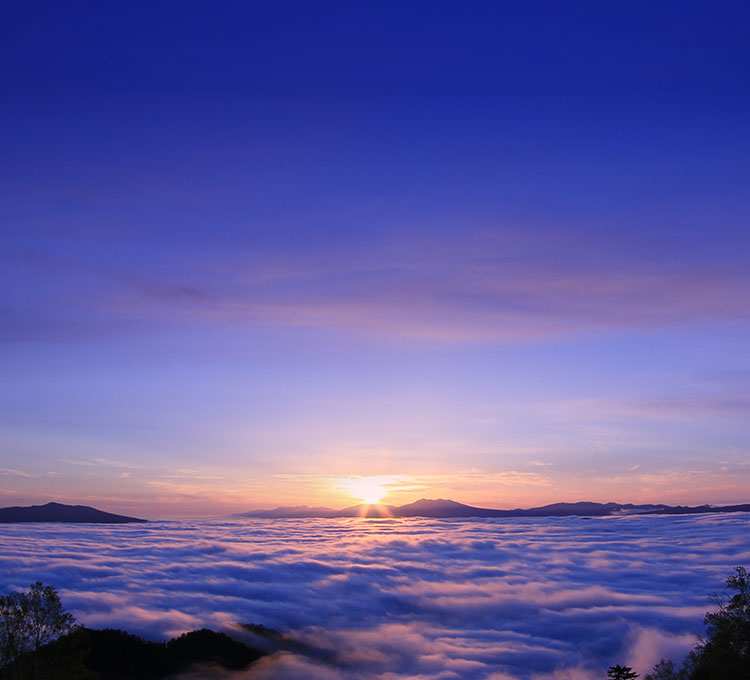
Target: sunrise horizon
point(375, 340)
point(339, 499)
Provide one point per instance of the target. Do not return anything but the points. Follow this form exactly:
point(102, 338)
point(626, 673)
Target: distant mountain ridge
point(443, 508)
point(291, 512)
point(696, 509)
point(59, 512)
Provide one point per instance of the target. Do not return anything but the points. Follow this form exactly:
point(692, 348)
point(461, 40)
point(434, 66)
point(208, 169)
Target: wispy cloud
point(16, 473)
point(491, 285)
point(109, 462)
point(729, 405)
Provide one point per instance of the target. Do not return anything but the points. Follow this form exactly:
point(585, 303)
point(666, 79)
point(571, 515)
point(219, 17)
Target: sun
point(369, 490)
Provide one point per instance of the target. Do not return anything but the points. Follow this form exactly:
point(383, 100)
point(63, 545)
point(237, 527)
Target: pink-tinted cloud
point(524, 599)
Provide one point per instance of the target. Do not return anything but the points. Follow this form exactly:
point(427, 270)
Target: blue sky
point(493, 252)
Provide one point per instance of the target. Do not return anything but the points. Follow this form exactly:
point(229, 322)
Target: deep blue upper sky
point(498, 249)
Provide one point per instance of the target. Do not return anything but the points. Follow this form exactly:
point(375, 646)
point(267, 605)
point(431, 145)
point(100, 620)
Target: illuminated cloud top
point(551, 599)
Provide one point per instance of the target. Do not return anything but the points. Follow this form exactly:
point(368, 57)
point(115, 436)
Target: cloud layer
point(491, 599)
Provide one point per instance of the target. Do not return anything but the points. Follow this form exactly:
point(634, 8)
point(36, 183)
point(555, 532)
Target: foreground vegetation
point(723, 653)
point(39, 640)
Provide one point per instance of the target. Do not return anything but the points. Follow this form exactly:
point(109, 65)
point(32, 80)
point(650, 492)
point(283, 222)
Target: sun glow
point(369, 490)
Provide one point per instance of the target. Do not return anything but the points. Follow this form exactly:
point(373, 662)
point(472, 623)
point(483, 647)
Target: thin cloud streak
point(481, 289)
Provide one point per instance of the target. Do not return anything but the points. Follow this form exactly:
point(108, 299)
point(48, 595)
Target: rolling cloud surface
point(538, 599)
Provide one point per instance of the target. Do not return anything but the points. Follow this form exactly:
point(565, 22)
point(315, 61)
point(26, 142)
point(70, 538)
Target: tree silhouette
point(665, 670)
point(621, 673)
point(724, 652)
point(29, 622)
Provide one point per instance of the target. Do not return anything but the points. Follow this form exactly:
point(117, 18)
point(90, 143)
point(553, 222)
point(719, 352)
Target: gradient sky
point(495, 252)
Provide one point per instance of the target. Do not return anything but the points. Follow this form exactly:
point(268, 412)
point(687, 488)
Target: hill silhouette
point(444, 508)
point(110, 654)
point(59, 512)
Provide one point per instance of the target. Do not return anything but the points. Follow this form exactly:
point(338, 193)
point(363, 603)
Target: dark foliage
point(201, 646)
point(724, 652)
point(621, 673)
point(35, 635)
point(117, 655)
point(262, 631)
point(666, 670)
point(39, 641)
point(88, 654)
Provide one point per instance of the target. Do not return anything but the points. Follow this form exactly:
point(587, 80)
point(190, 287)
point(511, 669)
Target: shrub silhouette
point(206, 645)
point(39, 641)
point(36, 638)
point(723, 653)
point(117, 655)
point(666, 670)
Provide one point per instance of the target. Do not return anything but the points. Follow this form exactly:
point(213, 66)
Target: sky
point(255, 252)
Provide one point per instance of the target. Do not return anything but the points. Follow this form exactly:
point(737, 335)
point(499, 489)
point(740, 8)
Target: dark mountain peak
point(443, 507)
point(435, 501)
point(59, 512)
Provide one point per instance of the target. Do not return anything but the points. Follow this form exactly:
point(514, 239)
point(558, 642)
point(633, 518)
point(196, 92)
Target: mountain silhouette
point(59, 512)
point(441, 507)
point(295, 511)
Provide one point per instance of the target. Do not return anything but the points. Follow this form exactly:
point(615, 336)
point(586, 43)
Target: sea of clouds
point(496, 599)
